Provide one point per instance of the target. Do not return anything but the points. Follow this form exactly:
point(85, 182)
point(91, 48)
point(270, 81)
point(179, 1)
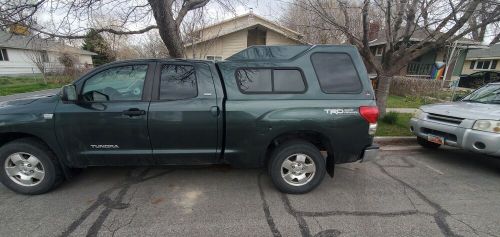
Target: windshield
point(489, 94)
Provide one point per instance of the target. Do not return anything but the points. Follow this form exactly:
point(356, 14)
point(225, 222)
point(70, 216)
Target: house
point(422, 66)
point(19, 54)
point(221, 40)
point(482, 59)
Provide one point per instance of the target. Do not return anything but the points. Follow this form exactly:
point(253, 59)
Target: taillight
point(369, 113)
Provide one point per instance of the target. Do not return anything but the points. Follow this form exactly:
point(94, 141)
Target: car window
point(254, 80)
point(178, 82)
point(336, 73)
point(267, 80)
point(288, 80)
point(115, 84)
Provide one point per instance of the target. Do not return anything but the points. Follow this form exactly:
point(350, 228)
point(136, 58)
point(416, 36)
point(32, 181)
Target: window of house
point(379, 51)
point(336, 73)
point(178, 82)
point(483, 64)
point(45, 56)
point(268, 80)
point(3, 55)
point(212, 57)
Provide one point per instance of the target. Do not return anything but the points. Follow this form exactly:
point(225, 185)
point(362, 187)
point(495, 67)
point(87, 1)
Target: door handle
point(134, 112)
point(215, 110)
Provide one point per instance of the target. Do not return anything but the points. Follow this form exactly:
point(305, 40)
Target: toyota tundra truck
point(295, 110)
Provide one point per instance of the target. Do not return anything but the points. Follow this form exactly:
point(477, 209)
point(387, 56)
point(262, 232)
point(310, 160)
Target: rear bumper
point(370, 153)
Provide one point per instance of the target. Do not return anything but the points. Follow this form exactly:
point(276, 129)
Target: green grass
point(401, 126)
point(21, 84)
point(394, 101)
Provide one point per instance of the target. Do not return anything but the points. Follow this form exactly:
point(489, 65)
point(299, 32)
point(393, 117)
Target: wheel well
point(11, 136)
point(317, 139)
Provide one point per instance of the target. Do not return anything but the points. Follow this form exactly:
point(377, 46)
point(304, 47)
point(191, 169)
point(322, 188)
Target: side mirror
point(68, 93)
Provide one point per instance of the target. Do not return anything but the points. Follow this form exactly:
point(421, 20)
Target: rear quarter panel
point(254, 120)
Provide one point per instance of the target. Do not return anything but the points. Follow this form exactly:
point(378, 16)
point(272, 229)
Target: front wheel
point(297, 167)
point(29, 167)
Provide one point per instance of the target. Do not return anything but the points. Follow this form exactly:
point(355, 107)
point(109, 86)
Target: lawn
point(13, 85)
point(394, 101)
point(400, 127)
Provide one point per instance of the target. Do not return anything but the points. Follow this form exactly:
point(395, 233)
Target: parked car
point(274, 106)
point(478, 79)
point(472, 123)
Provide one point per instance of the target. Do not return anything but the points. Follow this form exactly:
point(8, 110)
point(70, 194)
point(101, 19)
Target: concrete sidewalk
point(29, 94)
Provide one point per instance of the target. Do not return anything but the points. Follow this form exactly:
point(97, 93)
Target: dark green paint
point(220, 125)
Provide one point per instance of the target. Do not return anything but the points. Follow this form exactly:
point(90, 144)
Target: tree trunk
point(384, 83)
point(167, 27)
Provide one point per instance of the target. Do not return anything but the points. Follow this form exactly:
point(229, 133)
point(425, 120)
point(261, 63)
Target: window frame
point(377, 53)
point(4, 55)
point(160, 68)
point(361, 88)
point(272, 80)
point(482, 61)
point(214, 56)
point(145, 88)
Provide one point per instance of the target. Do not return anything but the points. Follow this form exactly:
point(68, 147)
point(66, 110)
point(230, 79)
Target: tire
point(301, 162)
point(427, 144)
point(29, 167)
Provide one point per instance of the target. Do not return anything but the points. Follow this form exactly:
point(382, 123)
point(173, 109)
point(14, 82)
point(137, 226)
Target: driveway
point(403, 193)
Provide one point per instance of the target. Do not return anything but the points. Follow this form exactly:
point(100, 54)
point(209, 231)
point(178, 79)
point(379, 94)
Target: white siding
point(20, 63)
point(273, 38)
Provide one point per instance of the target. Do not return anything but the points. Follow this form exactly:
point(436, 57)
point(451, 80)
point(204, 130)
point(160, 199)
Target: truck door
point(183, 114)
point(108, 123)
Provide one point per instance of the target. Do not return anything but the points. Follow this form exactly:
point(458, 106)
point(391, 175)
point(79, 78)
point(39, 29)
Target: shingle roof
point(8, 40)
point(490, 52)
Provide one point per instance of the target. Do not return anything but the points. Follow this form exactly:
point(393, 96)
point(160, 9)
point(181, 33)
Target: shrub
point(390, 118)
point(404, 86)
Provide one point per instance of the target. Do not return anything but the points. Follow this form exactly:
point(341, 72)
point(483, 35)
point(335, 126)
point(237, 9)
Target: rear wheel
point(29, 167)
point(297, 167)
point(427, 144)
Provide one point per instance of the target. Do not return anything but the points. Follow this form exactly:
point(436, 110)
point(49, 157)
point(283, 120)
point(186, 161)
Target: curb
point(400, 141)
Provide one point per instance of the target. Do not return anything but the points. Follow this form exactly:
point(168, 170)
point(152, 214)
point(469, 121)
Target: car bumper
point(456, 136)
point(370, 153)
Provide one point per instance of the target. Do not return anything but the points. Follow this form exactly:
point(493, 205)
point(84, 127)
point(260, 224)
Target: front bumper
point(370, 153)
point(457, 136)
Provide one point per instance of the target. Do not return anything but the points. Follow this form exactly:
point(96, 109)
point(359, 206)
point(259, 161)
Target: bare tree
point(132, 17)
point(443, 21)
point(38, 55)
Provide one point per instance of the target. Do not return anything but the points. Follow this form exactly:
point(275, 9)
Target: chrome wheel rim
point(298, 169)
point(24, 169)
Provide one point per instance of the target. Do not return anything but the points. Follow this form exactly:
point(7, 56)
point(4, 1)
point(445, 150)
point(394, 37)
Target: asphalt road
point(402, 193)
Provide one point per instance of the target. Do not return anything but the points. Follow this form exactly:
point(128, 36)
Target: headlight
point(487, 126)
point(418, 113)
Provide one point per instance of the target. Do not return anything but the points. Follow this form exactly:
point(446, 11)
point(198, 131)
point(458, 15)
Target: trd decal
point(341, 111)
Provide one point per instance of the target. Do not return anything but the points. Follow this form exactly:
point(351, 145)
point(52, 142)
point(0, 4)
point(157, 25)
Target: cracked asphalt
point(415, 192)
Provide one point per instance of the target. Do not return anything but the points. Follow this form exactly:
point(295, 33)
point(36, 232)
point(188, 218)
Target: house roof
point(490, 52)
point(9, 40)
point(253, 20)
point(418, 35)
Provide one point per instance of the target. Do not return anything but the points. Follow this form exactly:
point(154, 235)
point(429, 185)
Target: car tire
point(296, 167)
point(29, 167)
point(427, 144)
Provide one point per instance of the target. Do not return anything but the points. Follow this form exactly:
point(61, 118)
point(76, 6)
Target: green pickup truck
point(296, 110)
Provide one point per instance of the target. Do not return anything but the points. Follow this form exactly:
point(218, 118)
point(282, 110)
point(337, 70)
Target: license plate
point(435, 139)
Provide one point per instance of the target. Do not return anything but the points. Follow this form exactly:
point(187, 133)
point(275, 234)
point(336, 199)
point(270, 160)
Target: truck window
point(266, 80)
point(336, 73)
point(178, 82)
point(117, 83)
